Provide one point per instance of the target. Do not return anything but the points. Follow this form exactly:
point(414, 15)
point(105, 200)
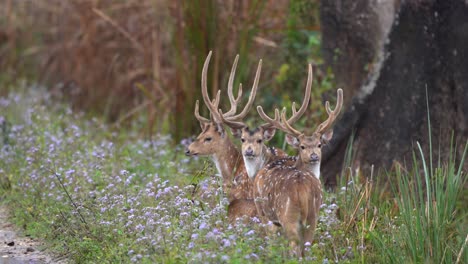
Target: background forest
point(97, 102)
point(142, 59)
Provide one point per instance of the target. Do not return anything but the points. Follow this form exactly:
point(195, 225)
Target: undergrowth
point(99, 195)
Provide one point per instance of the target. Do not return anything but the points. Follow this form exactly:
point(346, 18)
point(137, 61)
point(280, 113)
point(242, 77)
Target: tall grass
point(432, 229)
point(137, 59)
point(228, 28)
point(421, 221)
point(142, 59)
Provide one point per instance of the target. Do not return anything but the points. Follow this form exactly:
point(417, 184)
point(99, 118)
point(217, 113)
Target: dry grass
point(107, 54)
point(143, 59)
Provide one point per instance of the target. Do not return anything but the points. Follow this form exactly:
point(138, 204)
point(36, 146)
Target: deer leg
point(311, 224)
point(241, 208)
point(309, 232)
point(259, 204)
point(293, 233)
point(273, 229)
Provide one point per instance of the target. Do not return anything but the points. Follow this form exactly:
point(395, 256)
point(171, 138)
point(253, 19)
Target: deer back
point(284, 191)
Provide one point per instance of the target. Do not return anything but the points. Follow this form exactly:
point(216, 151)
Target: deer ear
point(292, 140)
point(268, 133)
point(236, 132)
point(327, 136)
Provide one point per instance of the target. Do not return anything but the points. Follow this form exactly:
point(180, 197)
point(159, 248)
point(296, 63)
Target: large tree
point(388, 58)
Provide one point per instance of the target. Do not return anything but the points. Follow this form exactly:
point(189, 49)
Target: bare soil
point(16, 248)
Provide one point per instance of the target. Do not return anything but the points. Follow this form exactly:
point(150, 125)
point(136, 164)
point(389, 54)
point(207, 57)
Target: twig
point(130, 113)
point(69, 197)
point(351, 220)
point(119, 28)
point(461, 250)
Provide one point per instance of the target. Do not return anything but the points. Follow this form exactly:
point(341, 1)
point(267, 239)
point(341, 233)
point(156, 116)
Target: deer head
point(309, 147)
point(212, 139)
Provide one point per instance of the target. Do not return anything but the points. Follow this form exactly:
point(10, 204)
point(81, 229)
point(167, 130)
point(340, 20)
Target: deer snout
point(249, 152)
point(189, 153)
point(314, 157)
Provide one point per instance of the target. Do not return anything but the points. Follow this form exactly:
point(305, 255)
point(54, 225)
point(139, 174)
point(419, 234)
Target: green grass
point(429, 228)
point(99, 195)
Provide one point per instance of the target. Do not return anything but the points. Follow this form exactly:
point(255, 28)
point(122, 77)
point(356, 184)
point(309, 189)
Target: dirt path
point(19, 249)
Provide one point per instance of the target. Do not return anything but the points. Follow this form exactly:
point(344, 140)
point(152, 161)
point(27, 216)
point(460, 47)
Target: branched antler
point(232, 100)
point(216, 114)
point(241, 115)
point(332, 115)
point(279, 122)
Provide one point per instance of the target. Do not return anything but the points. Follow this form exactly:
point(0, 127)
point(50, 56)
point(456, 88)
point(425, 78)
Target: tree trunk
point(426, 54)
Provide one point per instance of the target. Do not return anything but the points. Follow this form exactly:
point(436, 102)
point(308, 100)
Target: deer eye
point(242, 140)
point(208, 139)
point(259, 141)
point(319, 145)
point(302, 147)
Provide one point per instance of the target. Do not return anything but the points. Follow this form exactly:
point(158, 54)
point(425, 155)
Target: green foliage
point(95, 194)
point(430, 225)
point(302, 41)
point(100, 195)
point(205, 26)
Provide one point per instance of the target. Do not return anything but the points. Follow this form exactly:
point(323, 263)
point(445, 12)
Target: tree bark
point(423, 65)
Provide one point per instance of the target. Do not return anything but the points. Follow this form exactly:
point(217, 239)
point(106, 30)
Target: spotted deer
point(256, 154)
point(213, 141)
point(254, 151)
point(290, 196)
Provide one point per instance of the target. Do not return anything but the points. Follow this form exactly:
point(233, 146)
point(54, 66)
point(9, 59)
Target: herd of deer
point(263, 181)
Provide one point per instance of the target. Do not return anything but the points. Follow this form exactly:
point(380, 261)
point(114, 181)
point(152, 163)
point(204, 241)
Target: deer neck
point(227, 160)
point(254, 165)
point(312, 168)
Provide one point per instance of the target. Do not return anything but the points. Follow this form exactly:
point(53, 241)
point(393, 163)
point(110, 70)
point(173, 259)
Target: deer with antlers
point(254, 151)
point(290, 196)
point(256, 154)
point(213, 141)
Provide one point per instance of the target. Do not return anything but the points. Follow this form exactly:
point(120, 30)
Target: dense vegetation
point(142, 58)
point(100, 195)
point(93, 162)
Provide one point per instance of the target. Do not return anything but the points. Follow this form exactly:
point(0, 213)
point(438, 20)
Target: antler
point(281, 124)
point(332, 115)
point(233, 100)
point(231, 123)
point(305, 102)
point(280, 121)
point(253, 93)
point(235, 121)
point(200, 118)
point(216, 114)
point(212, 105)
point(287, 127)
